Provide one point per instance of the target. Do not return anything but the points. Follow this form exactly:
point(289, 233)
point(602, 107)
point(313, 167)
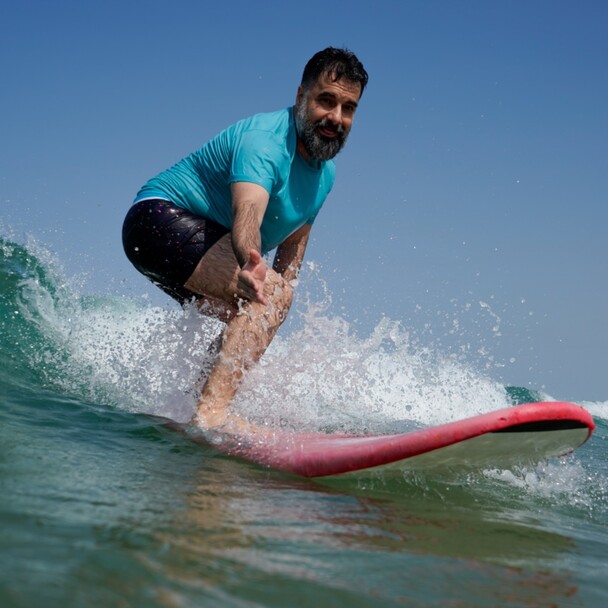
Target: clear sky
point(470, 202)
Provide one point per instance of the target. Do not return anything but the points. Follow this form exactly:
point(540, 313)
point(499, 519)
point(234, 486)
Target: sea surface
point(102, 506)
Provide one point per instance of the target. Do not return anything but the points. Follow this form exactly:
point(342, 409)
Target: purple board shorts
point(166, 243)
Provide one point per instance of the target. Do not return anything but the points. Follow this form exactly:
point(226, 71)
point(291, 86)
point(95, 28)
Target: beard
point(317, 146)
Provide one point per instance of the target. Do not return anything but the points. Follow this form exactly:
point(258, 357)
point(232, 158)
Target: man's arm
point(290, 253)
point(249, 202)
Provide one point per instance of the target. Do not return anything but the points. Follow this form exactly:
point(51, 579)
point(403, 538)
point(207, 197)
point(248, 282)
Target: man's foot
point(210, 420)
point(220, 420)
point(222, 427)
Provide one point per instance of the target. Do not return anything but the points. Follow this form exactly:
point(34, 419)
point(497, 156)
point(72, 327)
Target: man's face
point(324, 116)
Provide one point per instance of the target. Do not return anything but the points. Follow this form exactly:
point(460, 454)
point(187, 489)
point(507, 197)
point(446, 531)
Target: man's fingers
point(253, 277)
point(251, 288)
point(255, 256)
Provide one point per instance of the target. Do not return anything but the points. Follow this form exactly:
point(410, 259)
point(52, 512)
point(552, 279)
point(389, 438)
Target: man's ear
point(299, 95)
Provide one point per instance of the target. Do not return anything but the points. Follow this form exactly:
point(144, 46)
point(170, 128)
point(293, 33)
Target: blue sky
point(471, 195)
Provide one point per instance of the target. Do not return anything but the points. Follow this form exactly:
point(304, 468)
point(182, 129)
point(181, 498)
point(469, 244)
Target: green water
point(100, 506)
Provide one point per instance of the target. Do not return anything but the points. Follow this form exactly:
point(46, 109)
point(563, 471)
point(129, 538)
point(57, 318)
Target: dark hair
point(336, 63)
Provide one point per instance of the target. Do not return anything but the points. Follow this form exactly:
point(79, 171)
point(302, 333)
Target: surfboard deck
point(518, 435)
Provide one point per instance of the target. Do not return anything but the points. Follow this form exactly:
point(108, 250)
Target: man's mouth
point(326, 131)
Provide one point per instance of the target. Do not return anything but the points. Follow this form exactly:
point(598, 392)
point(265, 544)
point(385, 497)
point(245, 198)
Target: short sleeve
point(258, 158)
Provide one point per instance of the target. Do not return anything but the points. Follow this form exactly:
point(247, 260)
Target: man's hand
point(252, 278)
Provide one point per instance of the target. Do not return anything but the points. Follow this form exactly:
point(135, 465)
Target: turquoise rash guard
point(261, 150)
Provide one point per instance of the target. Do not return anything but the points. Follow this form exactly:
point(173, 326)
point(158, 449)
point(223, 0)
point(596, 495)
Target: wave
point(598, 409)
point(140, 358)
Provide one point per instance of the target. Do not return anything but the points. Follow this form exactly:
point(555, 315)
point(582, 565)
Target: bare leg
point(248, 332)
point(216, 308)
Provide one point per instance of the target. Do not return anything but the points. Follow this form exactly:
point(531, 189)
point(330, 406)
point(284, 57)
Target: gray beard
point(317, 146)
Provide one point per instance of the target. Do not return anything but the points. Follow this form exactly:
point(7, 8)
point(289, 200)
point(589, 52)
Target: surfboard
point(519, 435)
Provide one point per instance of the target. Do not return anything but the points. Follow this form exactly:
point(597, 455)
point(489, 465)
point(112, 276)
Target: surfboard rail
point(321, 455)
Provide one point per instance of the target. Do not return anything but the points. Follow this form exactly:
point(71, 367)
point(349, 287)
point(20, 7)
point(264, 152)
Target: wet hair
point(337, 64)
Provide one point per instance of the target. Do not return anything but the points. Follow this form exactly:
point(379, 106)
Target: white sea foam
point(568, 482)
point(322, 375)
point(598, 409)
point(142, 359)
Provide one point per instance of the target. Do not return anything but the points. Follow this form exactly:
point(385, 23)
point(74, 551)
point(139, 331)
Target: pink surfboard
point(521, 434)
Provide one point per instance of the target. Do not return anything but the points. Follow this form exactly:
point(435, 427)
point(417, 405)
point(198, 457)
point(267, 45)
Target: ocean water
point(100, 505)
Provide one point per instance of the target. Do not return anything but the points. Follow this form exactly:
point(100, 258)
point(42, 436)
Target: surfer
point(200, 229)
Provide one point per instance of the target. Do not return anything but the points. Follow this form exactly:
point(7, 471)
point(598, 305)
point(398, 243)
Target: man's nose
point(336, 115)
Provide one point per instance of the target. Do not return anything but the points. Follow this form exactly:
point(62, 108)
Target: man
point(199, 230)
